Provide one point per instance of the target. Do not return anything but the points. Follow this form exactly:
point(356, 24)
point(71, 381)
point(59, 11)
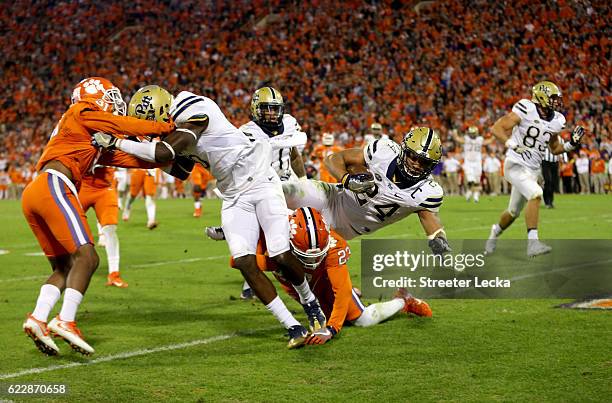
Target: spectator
point(451, 167)
point(492, 169)
point(582, 169)
point(598, 174)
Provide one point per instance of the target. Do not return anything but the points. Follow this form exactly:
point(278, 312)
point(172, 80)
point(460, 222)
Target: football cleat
point(39, 333)
point(491, 242)
point(536, 248)
point(114, 279)
point(126, 214)
point(71, 335)
point(247, 294)
point(413, 305)
point(152, 225)
point(215, 233)
point(197, 212)
point(297, 336)
point(316, 317)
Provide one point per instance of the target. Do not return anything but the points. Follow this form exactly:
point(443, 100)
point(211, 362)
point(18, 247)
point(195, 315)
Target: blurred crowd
point(341, 66)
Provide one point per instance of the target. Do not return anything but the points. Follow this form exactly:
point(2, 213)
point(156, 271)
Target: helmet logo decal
point(93, 86)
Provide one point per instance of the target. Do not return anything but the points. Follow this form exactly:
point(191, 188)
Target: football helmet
point(309, 236)
point(327, 139)
point(151, 102)
point(473, 131)
point(420, 152)
point(268, 108)
point(102, 92)
point(548, 95)
point(376, 128)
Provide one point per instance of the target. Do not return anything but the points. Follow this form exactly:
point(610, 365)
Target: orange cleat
point(39, 333)
point(413, 305)
point(71, 335)
point(197, 212)
point(115, 280)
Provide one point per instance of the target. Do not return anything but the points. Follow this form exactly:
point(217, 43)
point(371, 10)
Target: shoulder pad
point(559, 119)
point(250, 125)
point(380, 149)
point(431, 195)
point(186, 105)
point(523, 108)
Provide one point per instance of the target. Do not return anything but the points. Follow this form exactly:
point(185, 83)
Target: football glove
point(358, 183)
point(511, 144)
point(321, 336)
point(439, 246)
point(577, 135)
point(103, 140)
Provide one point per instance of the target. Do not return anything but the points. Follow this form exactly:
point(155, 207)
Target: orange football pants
point(53, 211)
point(139, 181)
point(103, 200)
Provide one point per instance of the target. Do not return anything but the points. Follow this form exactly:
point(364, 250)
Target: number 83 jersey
point(388, 202)
point(534, 133)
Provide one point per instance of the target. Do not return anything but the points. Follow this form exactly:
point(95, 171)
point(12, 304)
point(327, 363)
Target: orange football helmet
point(103, 92)
point(309, 236)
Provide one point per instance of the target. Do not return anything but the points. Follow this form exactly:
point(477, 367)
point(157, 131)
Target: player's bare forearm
point(555, 145)
point(502, 129)
point(430, 222)
point(343, 162)
point(297, 164)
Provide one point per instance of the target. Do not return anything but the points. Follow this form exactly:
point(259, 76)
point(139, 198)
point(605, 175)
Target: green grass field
point(180, 333)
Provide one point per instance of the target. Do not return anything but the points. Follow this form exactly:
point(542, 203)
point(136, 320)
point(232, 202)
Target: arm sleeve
point(342, 287)
point(125, 160)
point(108, 123)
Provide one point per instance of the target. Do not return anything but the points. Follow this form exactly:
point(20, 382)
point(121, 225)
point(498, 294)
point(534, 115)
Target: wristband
point(436, 233)
point(332, 330)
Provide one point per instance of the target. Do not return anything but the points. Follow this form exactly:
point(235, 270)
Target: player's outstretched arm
point(297, 163)
point(435, 232)
point(344, 162)
point(458, 139)
point(556, 147)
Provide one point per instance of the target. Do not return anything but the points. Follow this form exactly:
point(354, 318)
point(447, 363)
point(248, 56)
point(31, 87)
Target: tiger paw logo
point(93, 86)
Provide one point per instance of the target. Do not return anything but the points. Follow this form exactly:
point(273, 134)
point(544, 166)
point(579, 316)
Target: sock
point(120, 202)
point(197, 204)
point(304, 292)
point(150, 203)
point(281, 313)
point(476, 196)
point(380, 311)
point(72, 300)
point(496, 230)
point(468, 194)
point(532, 233)
point(112, 247)
point(245, 286)
point(48, 297)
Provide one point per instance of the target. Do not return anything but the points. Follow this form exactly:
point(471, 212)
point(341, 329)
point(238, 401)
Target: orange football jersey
point(71, 144)
point(321, 152)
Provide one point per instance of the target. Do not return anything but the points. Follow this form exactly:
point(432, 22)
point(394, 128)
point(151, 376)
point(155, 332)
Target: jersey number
point(386, 210)
point(343, 255)
point(531, 137)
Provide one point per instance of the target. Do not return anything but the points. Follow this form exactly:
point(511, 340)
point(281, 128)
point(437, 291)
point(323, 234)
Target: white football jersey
point(282, 143)
point(534, 133)
point(386, 203)
point(232, 159)
point(472, 149)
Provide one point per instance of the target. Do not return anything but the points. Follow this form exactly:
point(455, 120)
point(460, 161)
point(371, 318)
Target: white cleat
point(71, 335)
point(536, 248)
point(215, 233)
point(491, 243)
point(126, 215)
point(39, 333)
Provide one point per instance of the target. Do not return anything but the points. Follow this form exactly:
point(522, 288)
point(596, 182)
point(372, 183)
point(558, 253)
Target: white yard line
point(195, 259)
point(135, 353)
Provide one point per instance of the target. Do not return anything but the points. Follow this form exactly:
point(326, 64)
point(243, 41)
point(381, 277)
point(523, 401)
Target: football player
point(379, 185)
point(324, 255)
point(248, 185)
point(52, 209)
point(97, 191)
point(123, 183)
point(199, 179)
point(531, 127)
point(143, 181)
point(270, 122)
point(472, 160)
point(376, 133)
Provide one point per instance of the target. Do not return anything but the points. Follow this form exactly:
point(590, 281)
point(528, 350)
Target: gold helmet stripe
point(428, 141)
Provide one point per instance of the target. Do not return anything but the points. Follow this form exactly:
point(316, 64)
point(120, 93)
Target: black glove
point(439, 246)
point(577, 136)
point(358, 183)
